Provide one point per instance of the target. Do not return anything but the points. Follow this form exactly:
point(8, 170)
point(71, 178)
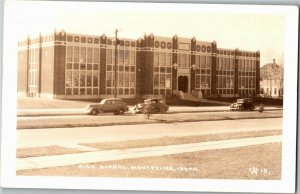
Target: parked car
point(242, 105)
point(113, 105)
point(157, 105)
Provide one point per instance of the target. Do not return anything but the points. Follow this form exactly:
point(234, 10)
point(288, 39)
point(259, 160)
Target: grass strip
point(164, 141)
point(44, 151)
point(234, 163)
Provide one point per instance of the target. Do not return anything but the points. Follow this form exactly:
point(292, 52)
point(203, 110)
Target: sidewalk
point(99, 156)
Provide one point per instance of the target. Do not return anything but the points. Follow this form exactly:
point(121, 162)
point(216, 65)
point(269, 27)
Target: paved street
point(81, 111)
point(71, 137)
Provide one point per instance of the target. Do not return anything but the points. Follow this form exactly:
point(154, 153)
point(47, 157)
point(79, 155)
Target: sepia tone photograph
point(144, 91)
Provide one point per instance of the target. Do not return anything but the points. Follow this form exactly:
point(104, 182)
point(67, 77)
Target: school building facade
point(76, 66)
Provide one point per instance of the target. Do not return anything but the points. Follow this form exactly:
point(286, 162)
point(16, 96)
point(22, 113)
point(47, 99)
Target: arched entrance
point(183, 83)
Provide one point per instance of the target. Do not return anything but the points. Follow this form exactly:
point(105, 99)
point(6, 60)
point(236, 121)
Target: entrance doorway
point(183, 83)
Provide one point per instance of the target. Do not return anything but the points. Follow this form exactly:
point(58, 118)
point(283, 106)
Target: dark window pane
point(76, 66)
point(69, 65)
point(96, 40)
point(82, 66)
point(83, 39)
point(69, 91)
point(76, 39)
point(132, 68)
point(109, 68)
point(75, 91)
point(70, 38)
point(95, 91)
point(89, 66)
point(89, 91)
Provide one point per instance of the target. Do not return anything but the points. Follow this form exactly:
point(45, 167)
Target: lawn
point(259, 162)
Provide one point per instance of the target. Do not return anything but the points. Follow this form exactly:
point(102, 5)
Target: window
point(169, 59)
point(82, 78)
point(168, 80)
point(109, 56)
point(76, 54)
point(126, 59)
point(208, 62)
point(156, 59)
point(69, 53)
point(96, 55)
point(83, 55)
point(162, 59)
point(69, 79)
point(121, 57)
point(162, 80)
point(76, 78)
point(120, 80)
point(109, 79)
point(156, 80)
point(95, 79)
point(89, 54)
point(89, 79)
point(126, 79)
point(132, 79)
point(132, 57)
point(197, 61)
point(203, 61)
point(197, 81)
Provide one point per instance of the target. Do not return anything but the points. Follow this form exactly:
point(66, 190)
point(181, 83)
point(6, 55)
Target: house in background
point(271, 80)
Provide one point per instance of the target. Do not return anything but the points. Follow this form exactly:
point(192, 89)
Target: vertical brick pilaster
point(102, 72)
point(257, 72)
point(236, 72)
point(214, 69)
point(193, 62)
point(174, 59)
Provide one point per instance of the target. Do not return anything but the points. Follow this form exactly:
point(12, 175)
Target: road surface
point(71, 137)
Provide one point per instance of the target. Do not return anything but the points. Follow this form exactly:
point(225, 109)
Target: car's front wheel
point(121, 111)
point(94, 112)
point(163, 110)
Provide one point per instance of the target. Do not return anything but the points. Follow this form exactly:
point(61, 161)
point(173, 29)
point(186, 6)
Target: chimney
point(274, 61)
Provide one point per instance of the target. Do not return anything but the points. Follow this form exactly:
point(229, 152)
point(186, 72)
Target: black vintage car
point(113, 105)
point(242, 105)
point(156, 105)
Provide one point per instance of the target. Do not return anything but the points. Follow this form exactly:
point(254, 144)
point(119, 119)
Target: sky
point(244, 27)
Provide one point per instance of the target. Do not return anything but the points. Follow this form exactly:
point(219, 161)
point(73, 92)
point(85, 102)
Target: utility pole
point(116, 61)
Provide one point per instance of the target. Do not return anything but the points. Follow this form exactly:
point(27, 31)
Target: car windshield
point(102, 101)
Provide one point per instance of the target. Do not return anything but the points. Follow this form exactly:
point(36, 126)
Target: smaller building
point(271, 83)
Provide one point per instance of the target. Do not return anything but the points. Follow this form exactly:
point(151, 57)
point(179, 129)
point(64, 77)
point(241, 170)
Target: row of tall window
point(83, 54)
point(33, 71)
point(82, 79)
point(246, 82)
point(126, 57)
point(162, 59)
point(162, 77)
point(126, 68)
point(184, 60)
point(246, 65)
point(203, 62)
point(126, 82)
point(82, 70)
